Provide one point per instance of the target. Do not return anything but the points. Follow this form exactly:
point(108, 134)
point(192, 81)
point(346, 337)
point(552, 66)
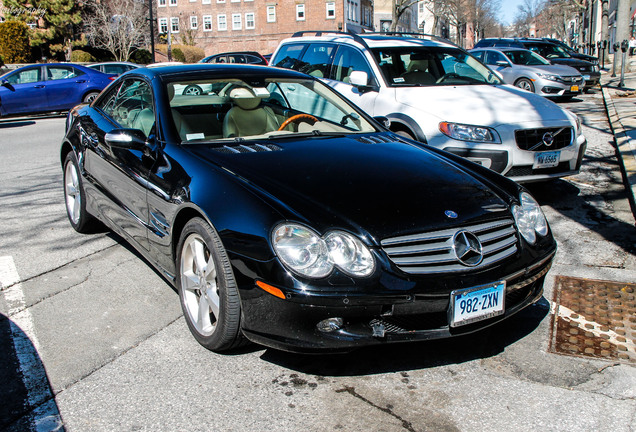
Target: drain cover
point(594, 318)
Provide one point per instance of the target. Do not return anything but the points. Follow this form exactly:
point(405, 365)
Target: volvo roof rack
point(355, 36)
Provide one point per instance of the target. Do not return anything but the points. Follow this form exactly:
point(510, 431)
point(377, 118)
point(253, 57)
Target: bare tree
point(118, 26)
point(527, 14)
point(398, 8)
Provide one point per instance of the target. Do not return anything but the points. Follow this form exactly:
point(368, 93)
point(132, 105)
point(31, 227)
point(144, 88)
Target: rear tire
point(207, 288)
point(90, 97)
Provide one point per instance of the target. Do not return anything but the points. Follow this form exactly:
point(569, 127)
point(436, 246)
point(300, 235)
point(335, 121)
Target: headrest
point(246, 98)
point(170, 91)
point(418, 65)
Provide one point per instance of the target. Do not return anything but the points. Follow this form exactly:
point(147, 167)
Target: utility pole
point(604, 28)
point(622, 25)
point(152, 31)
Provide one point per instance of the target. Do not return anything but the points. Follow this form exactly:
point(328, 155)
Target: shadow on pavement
point(13, 124)
point(417, 355)
point(27, 404)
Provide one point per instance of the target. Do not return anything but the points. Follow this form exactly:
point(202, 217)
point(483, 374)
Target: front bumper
point(290, 324)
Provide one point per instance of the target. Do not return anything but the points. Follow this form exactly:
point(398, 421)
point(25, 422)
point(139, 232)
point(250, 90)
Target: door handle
point(39, 86)
point(80, 81)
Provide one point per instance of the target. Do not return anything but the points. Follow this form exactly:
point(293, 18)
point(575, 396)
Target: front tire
point(525, 84)
point(207, 289)
point(75, 197)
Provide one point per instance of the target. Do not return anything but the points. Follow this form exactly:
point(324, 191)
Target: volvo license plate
point(546, 159)
point(477, 303)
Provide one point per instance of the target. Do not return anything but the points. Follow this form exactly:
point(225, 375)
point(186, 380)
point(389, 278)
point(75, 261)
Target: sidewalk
point(621, 110)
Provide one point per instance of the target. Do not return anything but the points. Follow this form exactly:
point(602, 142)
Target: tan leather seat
point(247, 117)
point(182, 127)
point(416, 73)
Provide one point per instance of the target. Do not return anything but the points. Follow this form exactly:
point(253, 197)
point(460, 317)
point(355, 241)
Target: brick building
point(257, 25)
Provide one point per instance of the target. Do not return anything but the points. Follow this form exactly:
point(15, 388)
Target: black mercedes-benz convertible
point(285, 216)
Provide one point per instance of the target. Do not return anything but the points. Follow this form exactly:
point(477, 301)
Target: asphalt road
point(92, 339)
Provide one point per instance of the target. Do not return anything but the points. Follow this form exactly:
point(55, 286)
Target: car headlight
point(465, 132)
point(579, 130)
point(549, 76)
point(304, 252)
point(529, 218)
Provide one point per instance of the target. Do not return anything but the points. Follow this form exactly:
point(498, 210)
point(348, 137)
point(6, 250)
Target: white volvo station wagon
point(439, 94)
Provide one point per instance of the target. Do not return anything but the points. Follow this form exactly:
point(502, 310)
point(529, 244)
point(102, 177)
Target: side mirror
point(131, 139)
point(502, 63)
point(359, 79)
point(384, 121)
point(6, 83)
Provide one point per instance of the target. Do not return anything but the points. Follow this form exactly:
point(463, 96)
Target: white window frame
point(235, 1)
point(237, 22)
point(330, 7)
point(220, 1)
point(172, 3)
point(221, 22)
point(173, 21)
point(250, 17)
point(194, 22)
point(271, 14)
point(206, 1)
point(300, 12)
point(163, 22)
point(207, 19)
point(162, 3)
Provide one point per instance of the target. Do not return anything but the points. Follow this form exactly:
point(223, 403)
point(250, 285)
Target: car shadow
point(24, 385)
point(13, 124)
point(408, 356)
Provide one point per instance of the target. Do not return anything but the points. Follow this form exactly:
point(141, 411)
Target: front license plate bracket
point(477, 303)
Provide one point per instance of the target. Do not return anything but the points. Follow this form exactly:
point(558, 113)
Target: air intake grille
point(433, 252)
point(247, 148)
point(538, 139)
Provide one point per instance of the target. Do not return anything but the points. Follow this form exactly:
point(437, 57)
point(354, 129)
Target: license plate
point(574, 88)
point(476, 304)
point(586, 77)
point(546, 159)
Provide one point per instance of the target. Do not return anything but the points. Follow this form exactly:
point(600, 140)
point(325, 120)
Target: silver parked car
point(529, 71)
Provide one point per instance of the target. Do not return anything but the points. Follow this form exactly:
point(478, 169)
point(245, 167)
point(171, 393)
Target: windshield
point(549, 51)
point(233, 109)
point(526, 58)
point(431, 66)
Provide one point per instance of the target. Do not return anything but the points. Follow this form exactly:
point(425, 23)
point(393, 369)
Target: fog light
point(330, 325)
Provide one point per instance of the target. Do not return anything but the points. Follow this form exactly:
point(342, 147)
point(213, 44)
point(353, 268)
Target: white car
point(439, 94)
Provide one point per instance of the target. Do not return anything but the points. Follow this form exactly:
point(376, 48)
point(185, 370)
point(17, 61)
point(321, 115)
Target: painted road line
point(45, 415)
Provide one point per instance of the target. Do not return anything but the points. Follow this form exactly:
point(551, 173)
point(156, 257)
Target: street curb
point(625, 146)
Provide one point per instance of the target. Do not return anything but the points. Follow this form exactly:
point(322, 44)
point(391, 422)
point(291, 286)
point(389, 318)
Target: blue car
point(49, 87)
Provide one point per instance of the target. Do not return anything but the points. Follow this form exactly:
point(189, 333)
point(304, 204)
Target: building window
point(220, 1)
point(163, 25)
point(174, 24)
point(237, 24)
point(221, 22)
point(205, 2)
point(331, 10)
point(300, 12)
point(161, 3)
point(207, 23)
point(271, 13)
point(249, 20)
point(194, 22)
point(235, 1)
point(172, 2)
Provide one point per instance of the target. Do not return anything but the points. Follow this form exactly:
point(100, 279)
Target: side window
point(62, 72)
point(348, 60)
point(316, 60)
point(26, 76)
point(289, 56)
point(115, 69)
point(492, 57)
point(479, 55)
point(131, 106)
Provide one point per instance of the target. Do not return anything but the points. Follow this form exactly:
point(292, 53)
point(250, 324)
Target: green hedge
point(14, 42)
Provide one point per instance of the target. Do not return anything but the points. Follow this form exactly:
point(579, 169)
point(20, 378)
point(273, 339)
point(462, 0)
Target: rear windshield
point(431, 66)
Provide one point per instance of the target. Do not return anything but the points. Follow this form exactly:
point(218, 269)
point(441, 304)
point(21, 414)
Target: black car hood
point(572, 62)
point(380, 189)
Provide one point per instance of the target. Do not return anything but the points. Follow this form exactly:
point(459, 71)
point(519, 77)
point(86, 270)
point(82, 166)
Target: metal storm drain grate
point(594, 318)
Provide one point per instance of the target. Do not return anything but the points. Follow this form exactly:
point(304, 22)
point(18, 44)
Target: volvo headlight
point(529, 218)
point(303, 251)
point(549, 76)
point(465, 132)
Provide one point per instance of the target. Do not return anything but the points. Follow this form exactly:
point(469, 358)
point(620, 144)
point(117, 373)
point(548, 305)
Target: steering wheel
point(446, 76)
point(297, 118)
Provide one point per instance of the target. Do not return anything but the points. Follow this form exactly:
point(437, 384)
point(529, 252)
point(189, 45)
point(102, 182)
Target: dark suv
point(554, 53)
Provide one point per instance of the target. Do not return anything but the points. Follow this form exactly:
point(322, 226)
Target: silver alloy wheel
point(72, 193)
point(199, 285)
point(193, 90)
point(525, 85)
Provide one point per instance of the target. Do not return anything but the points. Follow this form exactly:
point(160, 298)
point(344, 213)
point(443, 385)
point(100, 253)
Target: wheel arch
point(401, 122)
